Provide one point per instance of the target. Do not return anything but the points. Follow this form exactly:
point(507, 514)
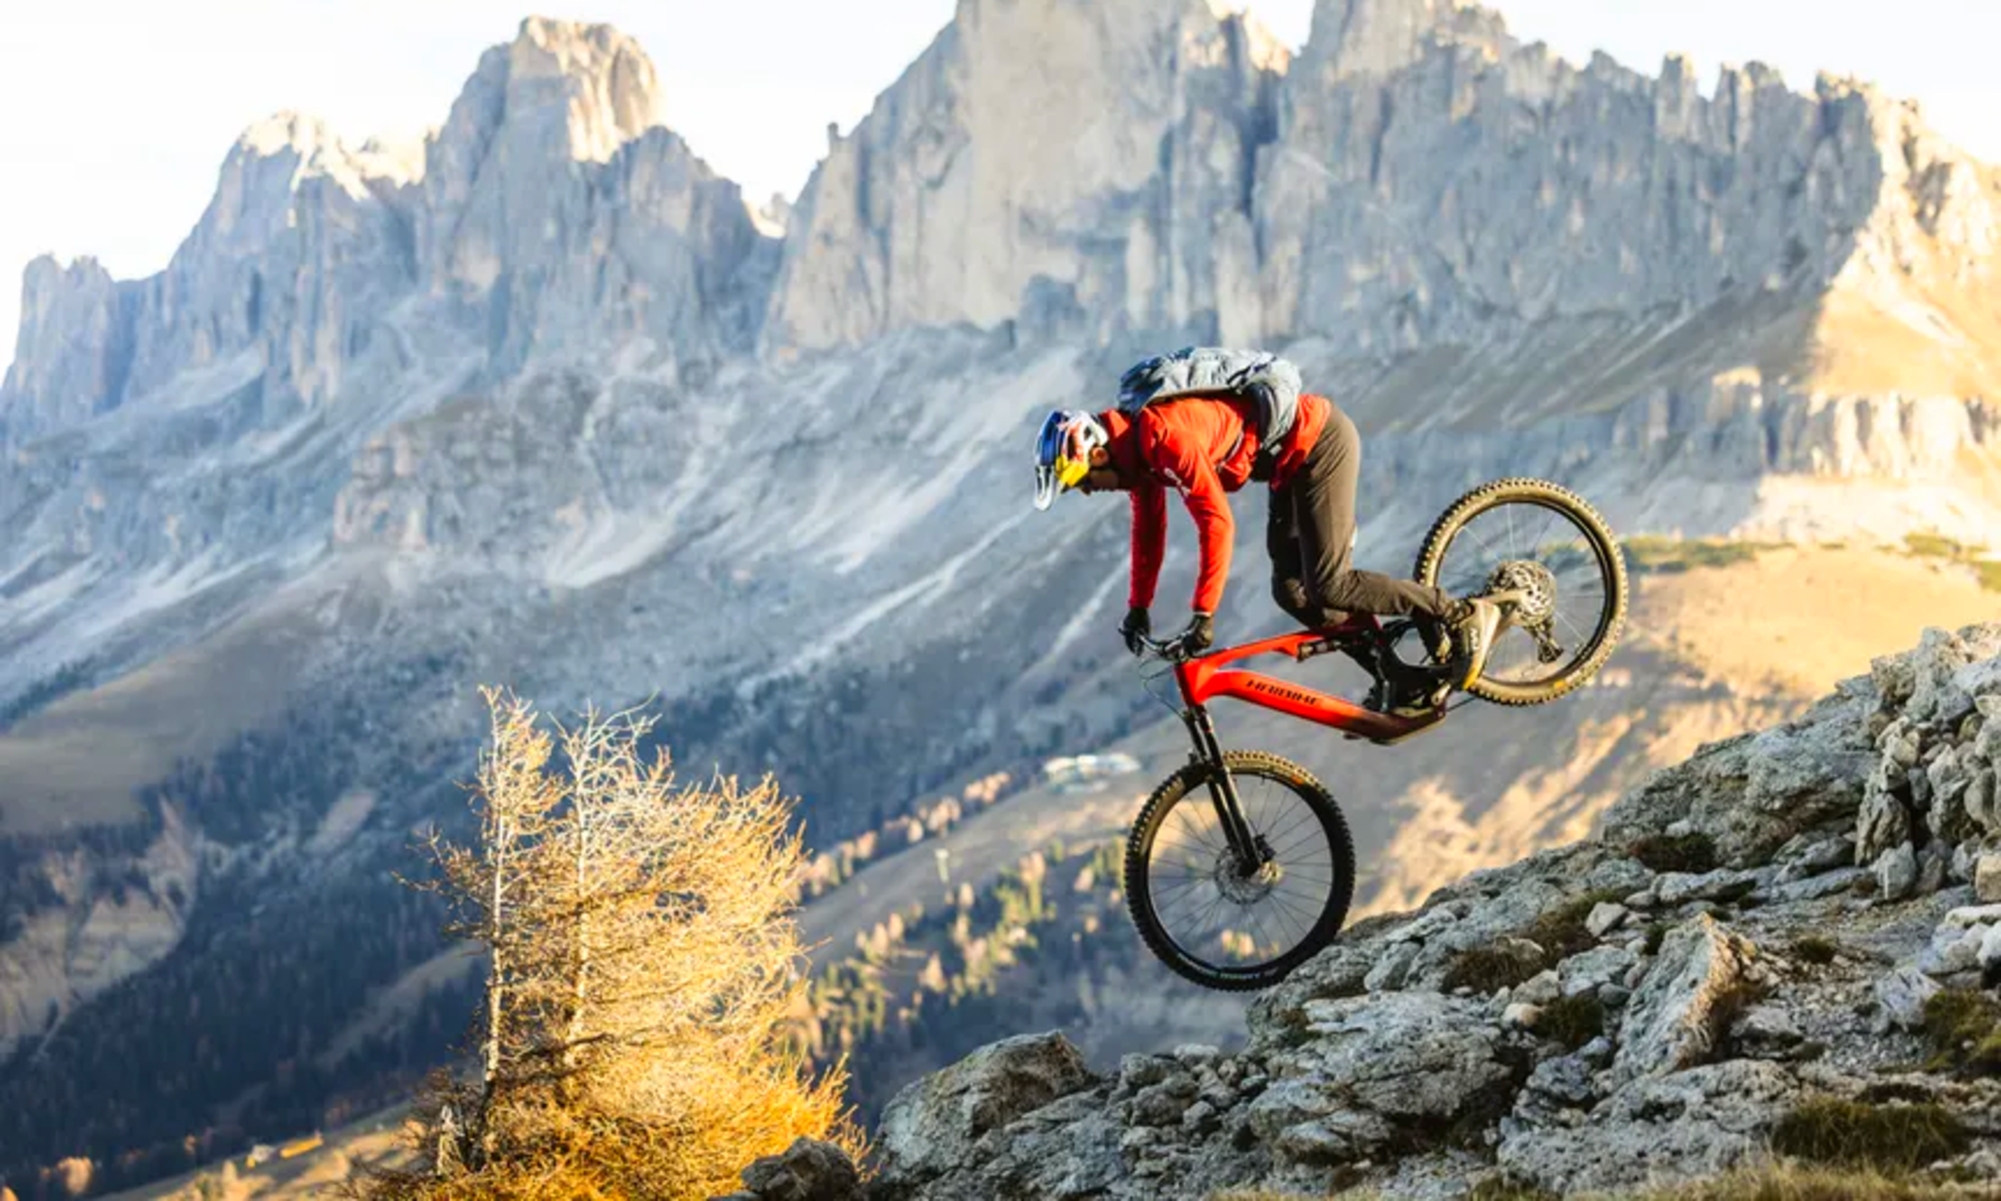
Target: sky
point(116, 114)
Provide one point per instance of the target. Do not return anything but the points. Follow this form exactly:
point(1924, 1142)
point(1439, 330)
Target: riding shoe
point(1473, 628)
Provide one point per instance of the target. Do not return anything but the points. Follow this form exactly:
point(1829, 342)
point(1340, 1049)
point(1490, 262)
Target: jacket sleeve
point(1175, 457)
point(1149, 540)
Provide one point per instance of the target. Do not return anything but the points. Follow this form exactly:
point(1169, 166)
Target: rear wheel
point(1542, 540)
point(1200, 913)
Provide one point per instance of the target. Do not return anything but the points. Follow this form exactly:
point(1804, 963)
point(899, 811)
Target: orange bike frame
point(1211, 676)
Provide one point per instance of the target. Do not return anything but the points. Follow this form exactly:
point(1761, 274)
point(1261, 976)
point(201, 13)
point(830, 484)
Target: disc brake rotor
point(1242, 889)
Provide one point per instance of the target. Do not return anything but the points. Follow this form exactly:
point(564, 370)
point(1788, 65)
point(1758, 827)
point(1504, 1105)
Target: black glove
point(1137, 625)
point(1198, 637)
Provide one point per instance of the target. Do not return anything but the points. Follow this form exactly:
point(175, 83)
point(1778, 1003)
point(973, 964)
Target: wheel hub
point(1245, 889)
point(1536, 586)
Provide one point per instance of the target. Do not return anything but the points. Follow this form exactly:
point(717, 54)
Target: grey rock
point(1605, 917)
point(1808, 856)
point(1137, 1071)
point(1379, 1063)
point(1900, 742)
point(1752, 794)
point(1939, 691)
point(1424, 926)
point(1596, 969)
point(1982, 799)
point(1164, 1103)
point(1335, 1136)
point(1987, 876)
point(1342, 970)
point(1953, 949)
point(1965, 861)
point(1901, 997)
point(1766, 1027)
point(930, 1127)
point(1884, 821)
point(808, 1170)
point(1692, 1124)
point(1964, 916)
point(1539, 989)
point(1563, 1083)
point(1670, 1024)
point(1897, 872)
point(1934, 865)
point(1680, 888)
point(1393, 968)
point(1816, 887)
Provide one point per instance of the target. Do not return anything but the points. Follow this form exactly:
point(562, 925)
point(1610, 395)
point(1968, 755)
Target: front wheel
point(1196, 907)
point(1543, 543)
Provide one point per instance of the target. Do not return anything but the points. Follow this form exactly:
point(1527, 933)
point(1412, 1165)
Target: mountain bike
point(1240, 867)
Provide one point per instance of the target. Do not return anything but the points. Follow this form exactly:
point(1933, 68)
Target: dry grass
point(1675, 853)
point(1964, 1029)
point(1875, 1138)
point(1672, 556)
point(1486, 970)
point(1573, 1021)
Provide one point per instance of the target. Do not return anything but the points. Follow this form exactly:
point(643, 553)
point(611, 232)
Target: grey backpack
point(1192, 371)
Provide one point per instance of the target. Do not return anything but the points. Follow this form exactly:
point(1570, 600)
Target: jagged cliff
point(542, 400)
point(1797, 915)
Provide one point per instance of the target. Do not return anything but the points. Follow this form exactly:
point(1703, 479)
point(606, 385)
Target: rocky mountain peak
point(950, 203)
point(600, 80)
point(1363, 37)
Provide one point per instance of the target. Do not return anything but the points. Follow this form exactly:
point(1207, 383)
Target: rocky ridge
point(1805, 912)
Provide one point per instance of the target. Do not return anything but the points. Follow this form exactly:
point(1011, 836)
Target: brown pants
point(1311, 540)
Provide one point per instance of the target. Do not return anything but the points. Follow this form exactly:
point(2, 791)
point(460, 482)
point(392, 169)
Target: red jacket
point(1203, 447)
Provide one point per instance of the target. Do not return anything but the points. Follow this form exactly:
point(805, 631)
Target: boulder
point(1377, 1065)
point(1672, 1021)
point(1692, 1124)
point(933, 1125)
point(808, 1170)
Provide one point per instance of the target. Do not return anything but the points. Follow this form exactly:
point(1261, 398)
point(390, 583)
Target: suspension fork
point(1244, 843)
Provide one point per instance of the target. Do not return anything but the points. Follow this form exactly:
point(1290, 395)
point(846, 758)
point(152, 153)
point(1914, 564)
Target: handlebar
point(1169, 650)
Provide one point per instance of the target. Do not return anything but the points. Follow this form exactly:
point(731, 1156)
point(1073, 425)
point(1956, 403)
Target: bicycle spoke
point(1305, 816)
point(1259, 927)
point(1305, 915)
point(1305, 840)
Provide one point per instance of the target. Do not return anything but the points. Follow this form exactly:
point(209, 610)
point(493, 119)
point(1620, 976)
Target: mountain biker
point(1205, 446)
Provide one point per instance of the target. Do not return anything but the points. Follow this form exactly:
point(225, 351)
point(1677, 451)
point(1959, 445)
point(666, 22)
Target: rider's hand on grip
point(1198, 637)
point(1137, 625)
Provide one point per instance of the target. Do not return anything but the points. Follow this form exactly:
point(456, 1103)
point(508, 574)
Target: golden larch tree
point(644, 968)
